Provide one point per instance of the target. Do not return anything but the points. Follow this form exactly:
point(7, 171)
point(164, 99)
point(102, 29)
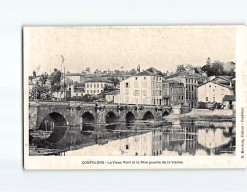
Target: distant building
point(229, 102)
point(173, 93)
point(190, 83)
point(76, 90)
point(112, 97)
point(224, 80)
point(213, 92)
point(96, 85)
point(142, 88)
point(76, 77)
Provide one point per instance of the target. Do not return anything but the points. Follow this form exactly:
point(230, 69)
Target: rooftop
point(99, 79)
point(212, 81)
point(73, 74)
point(229, 98)
point(113, 92)
point(145, 73)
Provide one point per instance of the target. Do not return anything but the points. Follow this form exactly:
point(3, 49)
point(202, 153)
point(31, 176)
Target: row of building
point(150, 88)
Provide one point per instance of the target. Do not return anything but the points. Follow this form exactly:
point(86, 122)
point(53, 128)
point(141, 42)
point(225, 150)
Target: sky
point(113, 47)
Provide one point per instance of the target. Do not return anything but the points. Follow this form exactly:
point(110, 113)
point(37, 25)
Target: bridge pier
point(76, 113)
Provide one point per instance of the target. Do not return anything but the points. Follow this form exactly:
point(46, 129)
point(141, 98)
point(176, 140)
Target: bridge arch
point(130, 117)
point(51, 121)
point(88, 118)
point(166, 113)
point(148, 116)
point(87, 122)
point(110, 117)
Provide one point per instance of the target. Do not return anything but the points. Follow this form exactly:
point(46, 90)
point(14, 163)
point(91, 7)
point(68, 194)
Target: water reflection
point(146, 138)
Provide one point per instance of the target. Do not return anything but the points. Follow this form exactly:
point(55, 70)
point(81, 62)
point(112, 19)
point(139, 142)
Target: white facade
point(213, 92)
point(114, 98)
point(95, 87)
point(76, 91)
point(141, 89)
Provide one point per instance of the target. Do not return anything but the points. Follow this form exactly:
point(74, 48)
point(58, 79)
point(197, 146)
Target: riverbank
point(206, 114)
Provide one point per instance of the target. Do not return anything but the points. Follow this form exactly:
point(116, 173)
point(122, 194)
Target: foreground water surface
point(140, 138)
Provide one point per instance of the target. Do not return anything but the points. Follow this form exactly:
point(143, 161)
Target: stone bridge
point(74, 114)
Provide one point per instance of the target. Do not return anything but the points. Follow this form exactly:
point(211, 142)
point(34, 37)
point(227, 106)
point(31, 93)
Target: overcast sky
point(111, 48)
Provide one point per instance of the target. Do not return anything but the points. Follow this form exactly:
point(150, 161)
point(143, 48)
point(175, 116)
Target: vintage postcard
point(135, 97)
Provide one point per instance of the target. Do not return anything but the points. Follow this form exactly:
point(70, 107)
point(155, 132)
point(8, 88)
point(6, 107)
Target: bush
point(202, 105)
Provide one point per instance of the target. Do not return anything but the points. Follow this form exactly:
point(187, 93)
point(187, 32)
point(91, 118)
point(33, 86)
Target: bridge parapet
point(72, 112)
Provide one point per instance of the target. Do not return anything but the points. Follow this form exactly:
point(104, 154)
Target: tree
point(117, 72)
point(34, 74)
point(132, 71)
point(115, 80)
point(180, 68)
point(217, 68)
point(214, 69)
point(56, 78)
point(40, 89)
point(88, 70)
point(188, 67)
point(209, 63)
point(108, 88)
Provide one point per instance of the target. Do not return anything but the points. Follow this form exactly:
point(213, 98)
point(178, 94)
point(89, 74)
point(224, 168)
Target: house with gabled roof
point(213, 91)
point(229, 102)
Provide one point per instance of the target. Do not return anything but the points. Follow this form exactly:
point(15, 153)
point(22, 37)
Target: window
point(136, 78)
point(87, 91)
point(97, 91)
point(91, 85)
point(76, 94)
point(182, 97)
point(94, 85)
point(209, 85)
point(136, 84)
point(126, 91)
point(101, 85)
point(179, 97)
point(97, 85)
point(94, 91)
point(144, 84)
point(127, 147)
point(206, 99)
point(136, 92)
point(87, 85)
point(145, 78)
point(90, 91)
point(127, 85)
point(136, 153)
point(101, 90)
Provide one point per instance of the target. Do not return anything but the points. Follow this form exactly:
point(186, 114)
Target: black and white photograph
point(131, 91)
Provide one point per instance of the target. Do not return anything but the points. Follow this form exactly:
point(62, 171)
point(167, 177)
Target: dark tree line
point(217, 68)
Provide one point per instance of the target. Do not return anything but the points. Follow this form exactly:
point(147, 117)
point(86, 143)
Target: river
point(175, 137)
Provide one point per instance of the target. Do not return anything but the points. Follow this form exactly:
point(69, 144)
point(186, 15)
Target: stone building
point(142, 88)
point(96, 85)
point(173, 93)
point(190, 83)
